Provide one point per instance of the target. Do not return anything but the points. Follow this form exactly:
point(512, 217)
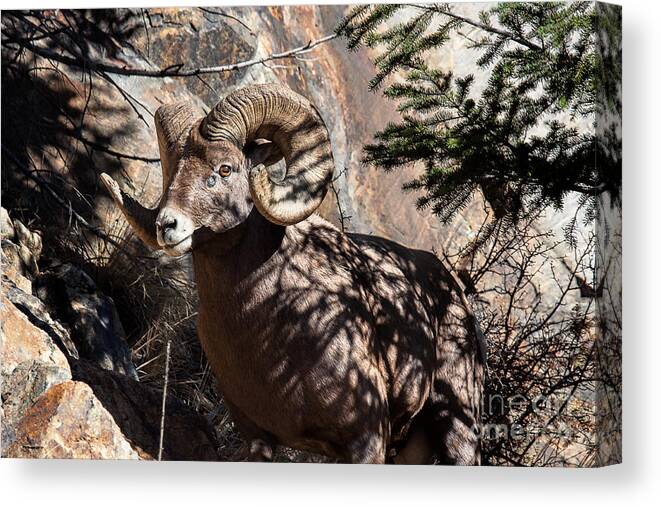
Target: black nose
point(168, 223)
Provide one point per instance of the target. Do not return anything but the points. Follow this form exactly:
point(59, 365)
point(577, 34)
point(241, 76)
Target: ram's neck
point(228, 265)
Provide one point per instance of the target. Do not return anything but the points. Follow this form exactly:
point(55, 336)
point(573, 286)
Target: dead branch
point(59, 200)
point(228, 16)
point(176, 70)
point(336, 192)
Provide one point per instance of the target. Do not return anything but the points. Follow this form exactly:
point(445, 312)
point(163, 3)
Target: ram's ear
point(173, 123)
point(261, 151)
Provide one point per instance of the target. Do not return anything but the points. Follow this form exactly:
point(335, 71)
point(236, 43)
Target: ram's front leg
point(369, 449)
point(261, 450)
point(261, 443)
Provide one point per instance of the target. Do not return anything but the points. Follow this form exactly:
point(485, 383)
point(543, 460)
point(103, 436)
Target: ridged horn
point(173, 123)
point(276, 113)
point(141, 219)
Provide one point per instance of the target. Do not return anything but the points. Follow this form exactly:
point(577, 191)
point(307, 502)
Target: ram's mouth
point(180, 248)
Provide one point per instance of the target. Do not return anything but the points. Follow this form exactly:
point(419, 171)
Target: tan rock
point(27, 382)
point(30, 363)
point(38, 314)
point(6, 225)
point(13, 267)
point(67, 421)
point(21, 341)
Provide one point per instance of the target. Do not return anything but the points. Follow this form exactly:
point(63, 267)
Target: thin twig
point(67, 206)
point(165, 394)
point(144, 23)
point(229, 16)
point(110, 151)
point(336, 192)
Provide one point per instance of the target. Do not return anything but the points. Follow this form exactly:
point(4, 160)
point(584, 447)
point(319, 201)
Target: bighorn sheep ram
point(347, 345)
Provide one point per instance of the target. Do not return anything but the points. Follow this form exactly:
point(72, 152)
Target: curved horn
point(173, 123)
point(141, 219)
point(278, 114)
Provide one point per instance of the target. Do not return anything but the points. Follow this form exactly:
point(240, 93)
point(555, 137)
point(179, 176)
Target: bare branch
point(229, 16)
point(67, 206)
point(176, 70)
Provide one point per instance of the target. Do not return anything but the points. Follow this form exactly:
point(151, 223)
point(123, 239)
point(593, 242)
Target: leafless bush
point(538, 314)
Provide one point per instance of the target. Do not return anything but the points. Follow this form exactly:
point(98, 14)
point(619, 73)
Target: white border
point(635, 482)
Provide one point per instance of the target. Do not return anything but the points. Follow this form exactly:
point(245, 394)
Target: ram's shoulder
point(380, 248)
point(317, 232)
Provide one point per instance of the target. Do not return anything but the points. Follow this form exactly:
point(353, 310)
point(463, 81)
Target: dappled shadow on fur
point(334, 343)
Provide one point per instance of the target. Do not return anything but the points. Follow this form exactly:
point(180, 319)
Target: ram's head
point(216, 168)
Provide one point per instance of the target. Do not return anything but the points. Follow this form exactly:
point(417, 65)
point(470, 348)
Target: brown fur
point(347, 345)
point(333, 343)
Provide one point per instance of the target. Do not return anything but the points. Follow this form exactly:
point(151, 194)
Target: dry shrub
point(534, 296)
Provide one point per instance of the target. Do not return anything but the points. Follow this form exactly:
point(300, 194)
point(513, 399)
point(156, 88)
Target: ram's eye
point(211, 180)
point(225, 170)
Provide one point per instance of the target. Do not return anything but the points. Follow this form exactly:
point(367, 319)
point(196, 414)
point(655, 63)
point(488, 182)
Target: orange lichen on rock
point(67, 421)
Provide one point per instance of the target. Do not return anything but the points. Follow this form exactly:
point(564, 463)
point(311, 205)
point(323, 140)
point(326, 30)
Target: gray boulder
point(94, 325)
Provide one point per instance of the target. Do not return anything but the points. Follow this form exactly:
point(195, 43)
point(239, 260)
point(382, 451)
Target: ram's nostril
point(167, 223)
